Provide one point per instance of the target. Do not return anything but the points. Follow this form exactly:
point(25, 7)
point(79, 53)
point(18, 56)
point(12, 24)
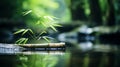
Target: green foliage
point(40, 8)
point(23, 31)
point(48, 21)
point(19, 31)
point(22, 41)
point(25, 13)
point(44, 21)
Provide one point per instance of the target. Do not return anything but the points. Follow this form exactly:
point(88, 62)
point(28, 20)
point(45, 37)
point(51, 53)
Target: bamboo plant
point(44, 21)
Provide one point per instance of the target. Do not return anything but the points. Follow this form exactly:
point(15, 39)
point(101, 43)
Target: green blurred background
point(90, 29)
point(71, 14)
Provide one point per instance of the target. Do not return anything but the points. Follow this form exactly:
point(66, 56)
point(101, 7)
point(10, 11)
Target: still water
point(84, 54)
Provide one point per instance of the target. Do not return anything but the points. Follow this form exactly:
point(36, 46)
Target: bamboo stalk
point(16, 48)
point(50, 45)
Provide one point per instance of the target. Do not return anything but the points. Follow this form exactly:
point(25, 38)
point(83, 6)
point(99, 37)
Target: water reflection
point(37, 61)
point(34, 59)
point(88, 54)
point(85, 46)
point(16, 56)
point(89, 46)
point(82, 54)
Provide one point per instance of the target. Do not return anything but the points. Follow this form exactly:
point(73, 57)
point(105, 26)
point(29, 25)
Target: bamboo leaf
point(27, 12)
point(21, 41)
point(19, 31)
point(57, 25)
point(31, 31)
point(49, 18)
point(45, 38)
point(39, 38)
point(43, 32)
point(18, 41)
point(26, 30)
point(53, 28)
point(25, 41)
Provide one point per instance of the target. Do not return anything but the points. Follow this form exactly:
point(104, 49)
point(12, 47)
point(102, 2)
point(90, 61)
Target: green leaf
point(19, 31)
point(18, 41)
point(43, 32)
point(45, 38)
point(26, 30)
point(31, 31)
point(25, 41)
point(53, 28)
point(21, 41)
point(49, 18)
point(57, 25)
point(27, 12)
point(39, 38)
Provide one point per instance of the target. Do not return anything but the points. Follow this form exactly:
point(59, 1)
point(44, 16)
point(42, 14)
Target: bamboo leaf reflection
point(38, 61)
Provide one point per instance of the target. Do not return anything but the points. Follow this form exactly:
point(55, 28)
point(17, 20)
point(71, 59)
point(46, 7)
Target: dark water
point(83, 54)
